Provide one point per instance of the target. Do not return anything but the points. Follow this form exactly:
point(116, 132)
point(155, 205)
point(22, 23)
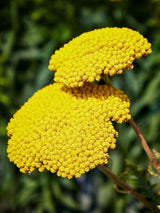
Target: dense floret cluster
point(102, 51)
point(66, 130)
point(66, 127)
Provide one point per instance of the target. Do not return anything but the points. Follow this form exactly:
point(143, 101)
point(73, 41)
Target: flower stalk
point(108, 173)
point(106, 79)
point(139, 134)
point(145, 145)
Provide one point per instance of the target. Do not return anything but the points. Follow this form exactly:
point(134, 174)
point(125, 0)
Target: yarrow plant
point(103, 51)
point(66, 127)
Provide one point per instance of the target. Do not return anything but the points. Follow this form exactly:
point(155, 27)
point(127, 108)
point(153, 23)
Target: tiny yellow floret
point(66, 130)
point(102, 51)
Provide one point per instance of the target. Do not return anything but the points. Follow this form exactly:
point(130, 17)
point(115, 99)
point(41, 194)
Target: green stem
point(106, 80)
point(108, 173)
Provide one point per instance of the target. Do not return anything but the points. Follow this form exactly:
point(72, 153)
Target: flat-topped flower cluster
point(103, 51)
point(66, 127)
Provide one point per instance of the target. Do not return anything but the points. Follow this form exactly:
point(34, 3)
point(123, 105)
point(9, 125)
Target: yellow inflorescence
point(66, 130)
point(107, 50)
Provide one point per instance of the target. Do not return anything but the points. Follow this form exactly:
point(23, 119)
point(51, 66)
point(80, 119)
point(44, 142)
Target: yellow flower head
point(107, 50)
point(66, 130)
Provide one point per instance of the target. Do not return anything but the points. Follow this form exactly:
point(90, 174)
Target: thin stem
point(106, 80)
point(139, 134)
point(108, 173)
point(145, 145)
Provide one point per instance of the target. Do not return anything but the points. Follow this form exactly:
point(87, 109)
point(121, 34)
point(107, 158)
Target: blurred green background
point(30, 31)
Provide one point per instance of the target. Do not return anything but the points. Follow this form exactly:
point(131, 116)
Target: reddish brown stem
point(139, 134)
point(145, 145)
point(108, 173)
